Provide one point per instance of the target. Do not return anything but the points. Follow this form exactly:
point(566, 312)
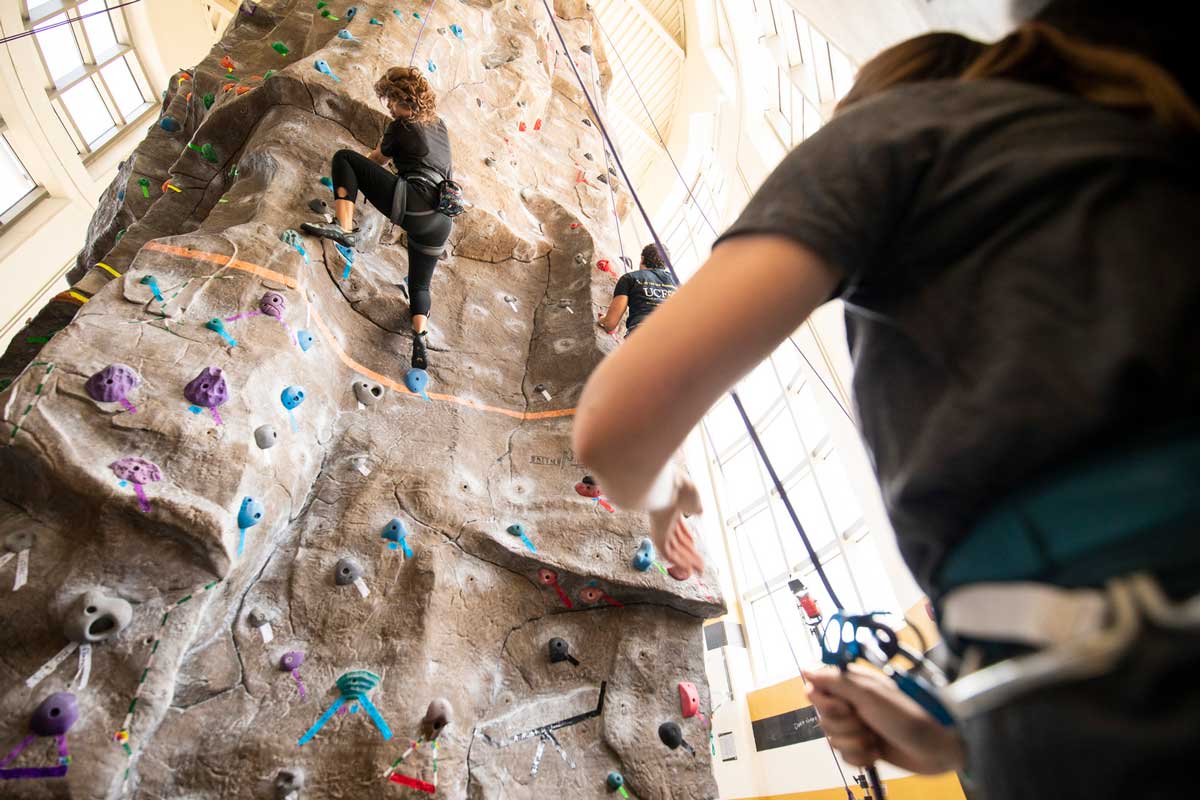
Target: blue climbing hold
point(351, 12)
point(304, 339)
point(375, 21)
point(643, 559)
point(120, 195)
point(168, 124)
point(517, 529)
point(292, 397)
point(327, 182)
point(396, 535)
point(251, 513)
point(416, 380)
point(457, 31)
point(215, 324)
point(345, 34)
point(429, 65)
point(322, 66)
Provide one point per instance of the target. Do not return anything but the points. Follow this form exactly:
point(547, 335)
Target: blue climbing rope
point(424, 21)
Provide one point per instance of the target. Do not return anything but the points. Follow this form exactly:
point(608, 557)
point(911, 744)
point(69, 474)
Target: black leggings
point(427, 230)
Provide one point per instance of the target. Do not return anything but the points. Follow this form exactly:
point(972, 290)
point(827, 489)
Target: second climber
point(640, 291)
point(418, 144)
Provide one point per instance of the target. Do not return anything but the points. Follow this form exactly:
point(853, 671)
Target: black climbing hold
point(346, 572)
point(602, 178)
point(586, 48)
point(288, 784)
point(587, 122)
point(589, 480)
point(561, 651)
point(589, 156)
point(670, 734)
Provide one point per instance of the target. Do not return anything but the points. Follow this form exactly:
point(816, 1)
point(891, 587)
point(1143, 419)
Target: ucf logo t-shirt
point(646, 289)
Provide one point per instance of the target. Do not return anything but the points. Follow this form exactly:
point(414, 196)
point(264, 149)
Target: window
point(16, 186)
point(94, 80)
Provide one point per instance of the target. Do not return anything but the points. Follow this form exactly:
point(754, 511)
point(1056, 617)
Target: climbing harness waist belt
point(1122, 514)
point(1075, 634)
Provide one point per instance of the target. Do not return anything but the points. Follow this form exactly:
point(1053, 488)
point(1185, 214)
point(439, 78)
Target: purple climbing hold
point(291, 660)
point(273, 305)
point(55, 715)
point(136, 470)
point(113, 385)
point(207, 389)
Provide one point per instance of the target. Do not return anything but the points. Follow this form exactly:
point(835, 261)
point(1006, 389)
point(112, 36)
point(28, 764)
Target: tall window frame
point(95, 79)
point(19, 190)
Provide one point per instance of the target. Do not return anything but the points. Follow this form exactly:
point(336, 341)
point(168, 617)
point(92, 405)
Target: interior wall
point(38, 247)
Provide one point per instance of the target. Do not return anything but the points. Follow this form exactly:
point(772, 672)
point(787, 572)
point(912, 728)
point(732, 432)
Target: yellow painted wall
point(914, 787)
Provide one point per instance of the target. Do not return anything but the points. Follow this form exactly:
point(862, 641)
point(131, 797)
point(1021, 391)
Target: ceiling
point(647, 39)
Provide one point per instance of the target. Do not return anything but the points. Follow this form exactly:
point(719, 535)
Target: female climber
point(1016, 253)
point(417, 143)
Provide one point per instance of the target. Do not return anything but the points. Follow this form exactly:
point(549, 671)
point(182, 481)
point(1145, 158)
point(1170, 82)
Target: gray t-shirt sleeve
point(844, 191)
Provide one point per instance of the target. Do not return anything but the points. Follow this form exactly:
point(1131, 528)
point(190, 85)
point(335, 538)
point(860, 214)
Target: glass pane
point(758, 544)
point(822, 66)
point(782, 442)
point(740, 474)
point(843, 72)
point(807, 502)
point(724, 425)
point(873, 580)
point(812, 119)
point(809, 415)
point(835, 569)
point(782, 633)
point(124, 88)
point(14, 180)
point(842, 501)
point(99, 29)
point(759, 391)
point(59, 48)
point(88, 111)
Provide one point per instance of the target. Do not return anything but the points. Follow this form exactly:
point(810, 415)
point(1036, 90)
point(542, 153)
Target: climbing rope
point(424, 21)
point(68, 21)
point(612, 196)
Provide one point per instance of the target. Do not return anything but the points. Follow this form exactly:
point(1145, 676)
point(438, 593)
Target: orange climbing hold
point(521, 127)
point(227, 63)
point(537, 126)
point(228, 87)
point(184, 76)
point(241, 90)
point(188, 97)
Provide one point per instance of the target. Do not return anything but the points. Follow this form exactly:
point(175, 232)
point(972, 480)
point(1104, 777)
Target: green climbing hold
point(120, 233)
point(327, 14)
point(233, 171)
point(268, 73)
point(281, 48)
point(321, 5)
point(374, 21)
point(209, 99)
point(208, 153)
point(145, 184)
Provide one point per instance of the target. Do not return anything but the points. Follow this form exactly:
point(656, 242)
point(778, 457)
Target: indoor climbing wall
point(245, 553)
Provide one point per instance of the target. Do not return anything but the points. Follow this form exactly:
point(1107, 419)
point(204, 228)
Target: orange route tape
point(290, 282)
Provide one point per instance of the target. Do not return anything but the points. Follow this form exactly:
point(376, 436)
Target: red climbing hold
point(227, 63)
point(603, 265)
point(521, 127)
point(537, 126)
point(575, 225)
point(415, 783)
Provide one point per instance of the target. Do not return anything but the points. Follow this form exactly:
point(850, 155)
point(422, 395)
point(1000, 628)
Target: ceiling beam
point(229, 6)
point(642, 133)
point(655, 26)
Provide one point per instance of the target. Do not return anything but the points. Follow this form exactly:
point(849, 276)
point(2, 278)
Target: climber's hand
point(671, 534)
point(867, 718)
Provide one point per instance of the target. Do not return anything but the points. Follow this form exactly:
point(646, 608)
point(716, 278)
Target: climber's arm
point(616, 310)
point(642, 401)
point(378, 157)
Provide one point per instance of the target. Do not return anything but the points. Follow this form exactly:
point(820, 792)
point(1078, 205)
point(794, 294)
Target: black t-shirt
point(1020, 282)
point(414, 147)
point(646, 289)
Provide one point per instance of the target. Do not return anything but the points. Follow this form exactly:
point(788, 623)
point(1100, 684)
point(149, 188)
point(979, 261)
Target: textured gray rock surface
point(468, 617)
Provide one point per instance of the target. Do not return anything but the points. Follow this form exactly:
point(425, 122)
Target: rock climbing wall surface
point(231, 518)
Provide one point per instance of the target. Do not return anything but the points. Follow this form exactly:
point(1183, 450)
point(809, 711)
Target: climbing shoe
point(420, 359)
point(332, 230)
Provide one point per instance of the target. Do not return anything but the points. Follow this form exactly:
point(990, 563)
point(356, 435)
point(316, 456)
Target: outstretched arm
point(616, 310)
point(642, 401)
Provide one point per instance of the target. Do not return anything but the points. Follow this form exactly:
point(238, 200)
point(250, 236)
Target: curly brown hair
point(406, 85)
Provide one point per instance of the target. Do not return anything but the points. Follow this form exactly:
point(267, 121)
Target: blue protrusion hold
point(148, 280)
point(168, 124)
point(348, 256)
point(396, 535)
point(429, 65)
point(322, 67)
point(345, 34)
point(292, 397)
point(293, 238)
point(375, 21)
point(327, 182)
point(517, 529)
point(120, 195)
point(304, 339)
point(250, 515)
point(457, 31)
point(416, 380)
point(215, 324)
point(643, 559)
point(351, 12)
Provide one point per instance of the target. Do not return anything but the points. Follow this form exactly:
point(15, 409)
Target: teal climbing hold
point(416, 380)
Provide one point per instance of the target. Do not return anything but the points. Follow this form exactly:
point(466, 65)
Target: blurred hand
point(671, 535)
point(867, 719)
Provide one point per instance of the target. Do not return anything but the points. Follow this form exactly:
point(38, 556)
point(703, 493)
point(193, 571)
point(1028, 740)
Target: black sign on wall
point(790, 727)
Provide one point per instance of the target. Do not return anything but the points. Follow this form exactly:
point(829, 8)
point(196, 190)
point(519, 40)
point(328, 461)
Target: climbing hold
point(184, 76)
point(561, 651)
point(227, 63)
point(55, 715)
point(537, 125)
point(95, 617)
point(168, 124)
point(241, 90)
point(489, 161)
point(550, 578)
point(250, 514)
point(580, 259)
point(215, 324)
point(293, 238)
point(672, 737)
point(269, 73)
point(396, 535)
point(457, 31)
point(346, 572)
point(233, 171)
point(327, 182)
point(592, 593)
point(288, 784)
point(368, 393)
point(139, 472)
point(416, 380)
point(564, 303)
point(603, 179)
point(521, 127)
point(272, 304)
point(209, 99)
point(145, 184)
point(351, 13)
point(292, 397)
point(345, 34)
point(588, 156)
point(437, 717)
point(280, 47)
point(517, 529)
point(616, 783)
point(587, 122)
point(304, 339)
point(643, 559)
point(512, 301)
point(208, 153)
point(327, 14)
point(352, 688)
point(120, 195)
point(689, 700)
point(374, 21)
point(347, 255)
point(541, 389)
point(208, 389)
point(293, 659)
point(416, 15)
point(430, 66)
point(321, 4)
point(319, 206)
point(322, 66)
point(265, 437)
point(19, 541)
point(259, 617)
point(603, 265)
point(113, 385)
point(228, 87)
